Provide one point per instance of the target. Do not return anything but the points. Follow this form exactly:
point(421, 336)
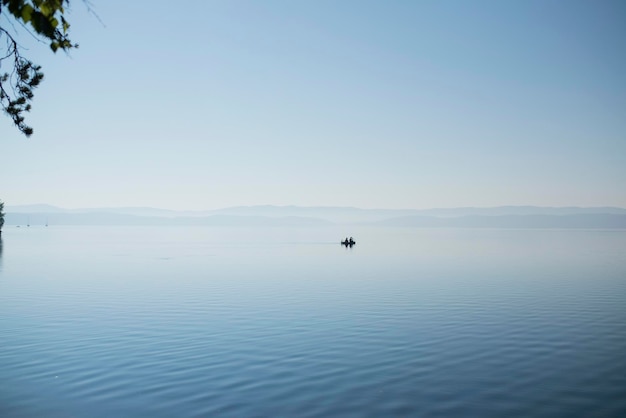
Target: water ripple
point(284, 334)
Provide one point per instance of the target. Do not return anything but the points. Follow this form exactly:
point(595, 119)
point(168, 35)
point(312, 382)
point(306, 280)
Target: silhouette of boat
point(348, 243)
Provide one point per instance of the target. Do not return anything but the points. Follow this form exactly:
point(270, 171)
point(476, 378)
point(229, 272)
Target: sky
point(373, 104)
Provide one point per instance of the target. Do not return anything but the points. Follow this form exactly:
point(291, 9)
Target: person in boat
point(351, 242)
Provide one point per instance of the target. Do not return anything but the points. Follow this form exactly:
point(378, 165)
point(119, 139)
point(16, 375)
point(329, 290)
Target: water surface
point(178, 321)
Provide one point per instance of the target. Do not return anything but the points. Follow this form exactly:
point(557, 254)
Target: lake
point(285, 322)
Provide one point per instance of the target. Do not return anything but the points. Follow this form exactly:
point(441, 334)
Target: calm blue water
point(177, 322)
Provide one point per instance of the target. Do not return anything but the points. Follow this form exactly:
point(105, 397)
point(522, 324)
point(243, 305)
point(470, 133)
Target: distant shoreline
point(255, 216)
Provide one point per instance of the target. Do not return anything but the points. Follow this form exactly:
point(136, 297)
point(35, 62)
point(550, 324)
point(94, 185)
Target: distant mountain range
point(469, 217)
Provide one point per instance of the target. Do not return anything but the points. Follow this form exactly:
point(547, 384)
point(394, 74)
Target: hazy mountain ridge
point(105, 218)
point(504, 216)
point(271, 210)
point(587, 220)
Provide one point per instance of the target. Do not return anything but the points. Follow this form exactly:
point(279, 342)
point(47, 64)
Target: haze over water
point(202, 321)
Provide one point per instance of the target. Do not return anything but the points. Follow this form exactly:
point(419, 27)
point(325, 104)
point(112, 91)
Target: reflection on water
point(284, 322)
point(0, 251)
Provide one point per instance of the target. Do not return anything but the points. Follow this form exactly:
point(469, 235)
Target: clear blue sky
point(375, 104)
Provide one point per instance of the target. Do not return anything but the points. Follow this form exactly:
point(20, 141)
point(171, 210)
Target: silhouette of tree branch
point(45, 20)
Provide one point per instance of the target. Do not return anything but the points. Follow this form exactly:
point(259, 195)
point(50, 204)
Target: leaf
point(27, 12)
point(66, 25)
point(46, 10)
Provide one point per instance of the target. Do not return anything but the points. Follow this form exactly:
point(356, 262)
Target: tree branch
point(15, 99)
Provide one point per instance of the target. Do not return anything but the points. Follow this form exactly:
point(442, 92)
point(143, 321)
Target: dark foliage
point(1, 213)
point(45, 19)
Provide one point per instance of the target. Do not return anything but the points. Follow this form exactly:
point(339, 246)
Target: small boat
point(348, 243)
